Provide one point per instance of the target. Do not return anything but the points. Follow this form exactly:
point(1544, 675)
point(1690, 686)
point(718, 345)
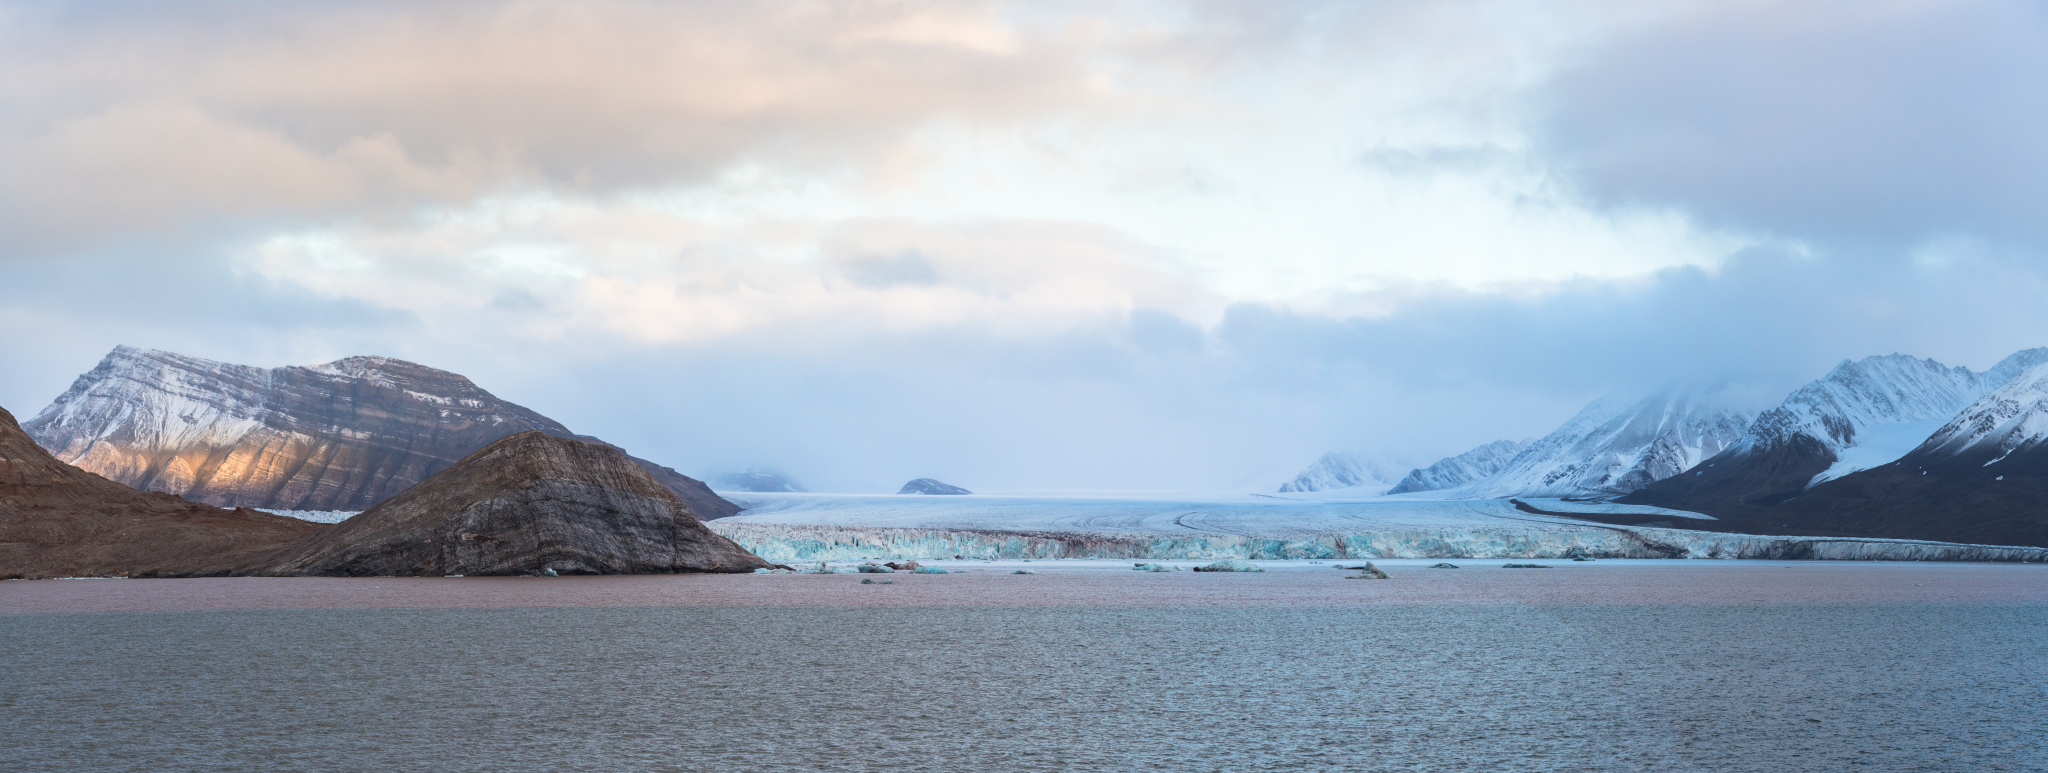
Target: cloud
point(1134, 245)
point(227, 109)
point(546, 268)
point(1850, 123)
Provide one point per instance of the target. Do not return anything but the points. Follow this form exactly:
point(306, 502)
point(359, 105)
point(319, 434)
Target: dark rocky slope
point(340, 436)
point(525, 504)
point(1952, 500)
point(1982, 478)
point(60, 521)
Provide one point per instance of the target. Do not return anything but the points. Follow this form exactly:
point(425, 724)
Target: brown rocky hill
point(60, 521)
point(526, 504)
point(340, 436)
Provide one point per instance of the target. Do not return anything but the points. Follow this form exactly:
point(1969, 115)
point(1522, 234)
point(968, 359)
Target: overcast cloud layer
point(1125, 246)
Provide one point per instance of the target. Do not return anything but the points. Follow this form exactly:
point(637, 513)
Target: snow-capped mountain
point(1351, 469)
point(1883, 406)
point(1981, 478)
point(340, 436)
point(1615, 446)
point(1463, 469)
point(1862, 414)
point(2010, 419)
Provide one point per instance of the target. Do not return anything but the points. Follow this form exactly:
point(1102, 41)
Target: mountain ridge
point(1828, 428)
point(342, 435)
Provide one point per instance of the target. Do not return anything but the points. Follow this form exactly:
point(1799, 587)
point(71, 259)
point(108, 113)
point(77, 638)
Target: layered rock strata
point(530, 503)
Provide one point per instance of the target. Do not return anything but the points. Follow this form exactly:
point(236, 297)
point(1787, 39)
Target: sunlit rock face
point(340, 436)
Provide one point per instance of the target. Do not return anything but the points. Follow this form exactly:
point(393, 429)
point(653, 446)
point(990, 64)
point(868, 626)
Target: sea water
point(1080, 668)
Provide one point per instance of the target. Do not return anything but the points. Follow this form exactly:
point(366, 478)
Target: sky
point(1043, 246)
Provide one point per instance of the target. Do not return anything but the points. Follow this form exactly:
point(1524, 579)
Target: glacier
point(787, 528)
point(786, 543)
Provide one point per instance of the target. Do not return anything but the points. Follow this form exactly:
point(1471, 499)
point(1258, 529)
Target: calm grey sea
point(1497, 687)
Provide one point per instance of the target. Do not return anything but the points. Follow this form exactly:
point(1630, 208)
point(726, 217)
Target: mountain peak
point(1616, 445)
point(1351, 469)
point(339, 436)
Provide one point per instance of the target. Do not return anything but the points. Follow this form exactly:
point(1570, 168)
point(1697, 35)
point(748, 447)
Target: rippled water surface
point(1499, 683)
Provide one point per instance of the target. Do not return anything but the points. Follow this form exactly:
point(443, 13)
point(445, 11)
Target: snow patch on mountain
point(1877, 444)
point(1463, 469)
point(1351, 469)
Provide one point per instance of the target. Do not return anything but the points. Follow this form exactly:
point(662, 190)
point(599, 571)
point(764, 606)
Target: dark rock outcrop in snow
point(929, 486)
point(57, 521)
point(756, 479)
point(340, 436)
point(526, 504)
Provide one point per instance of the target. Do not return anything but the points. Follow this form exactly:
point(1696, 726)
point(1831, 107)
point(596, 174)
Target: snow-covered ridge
point(1871, 411)
point(2010, 418)
point(1614, 447)
point(1464, 469)
point(1351, 469)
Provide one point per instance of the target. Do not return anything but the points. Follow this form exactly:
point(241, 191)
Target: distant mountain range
point(1350, 469)
point(1861, 415)
point(1887, 446)
point(753, 479)
point(1610, 448)
point(341, 436)
point(1464, 469)
point(1842, 456)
